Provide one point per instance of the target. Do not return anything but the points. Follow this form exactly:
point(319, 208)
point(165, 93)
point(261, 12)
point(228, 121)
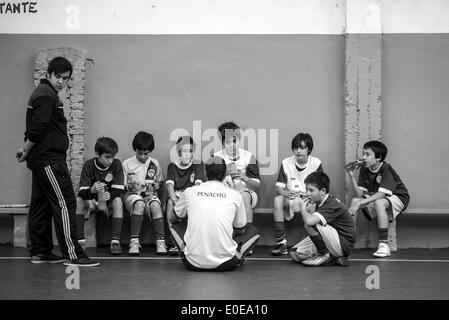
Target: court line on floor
point(248, 259)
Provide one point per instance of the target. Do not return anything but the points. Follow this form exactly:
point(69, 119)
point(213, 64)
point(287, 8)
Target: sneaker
point(134, 247)
point(82, 262)
point(298, 256)
point(82, 243)
point(280, 250)
point(341, 261)
point(161, 248)
point(46, 258)
point(250, 253)
point(173, 251)
point(115, 248)
point(318, 260)
point(383, 250)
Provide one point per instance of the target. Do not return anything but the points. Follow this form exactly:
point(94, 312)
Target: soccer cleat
point(134, 247)
point(318, 260)
point(115, 247)
point(383, 250)
point(46, 258)
point(298, 256)
point(82, 243)
point(280, 250)
point(161, 248)
point(82, 262)
point(173, 251)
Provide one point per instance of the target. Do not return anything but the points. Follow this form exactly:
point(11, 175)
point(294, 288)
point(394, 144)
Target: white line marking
point(254, 259)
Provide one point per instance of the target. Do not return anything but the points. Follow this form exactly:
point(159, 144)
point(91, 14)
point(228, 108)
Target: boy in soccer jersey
point(183, 173)
point(330, 227)
point(380, 192)
point(290, 186)
point(143, 178)
point(101, 187)
point(242, 167)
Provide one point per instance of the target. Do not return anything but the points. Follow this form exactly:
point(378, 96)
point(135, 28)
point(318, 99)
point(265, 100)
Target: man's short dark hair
point(303, 137)
point(143, 141)
point(380, 150)
point(215, 169)
point(106, 145)
point(228, 129)
point(318, 179)
point(59, 65)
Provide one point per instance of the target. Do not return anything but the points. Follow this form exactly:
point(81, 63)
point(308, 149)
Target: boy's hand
point(97, 187)
point(356, 206)
point(104, 196)
point(239, 175)
point(21, 155)
point(134, 186)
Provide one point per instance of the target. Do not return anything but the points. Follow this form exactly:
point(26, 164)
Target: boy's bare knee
point(139, 207)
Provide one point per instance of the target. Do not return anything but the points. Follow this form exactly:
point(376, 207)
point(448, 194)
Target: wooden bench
point(20, 224)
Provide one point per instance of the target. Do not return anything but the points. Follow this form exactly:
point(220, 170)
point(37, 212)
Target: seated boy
point(101, 187)
point(143, 177)
point(217, 237)
point(290, 186)
point(183, 173)
point(379, 191)
point(242, 167)
point(330, 227)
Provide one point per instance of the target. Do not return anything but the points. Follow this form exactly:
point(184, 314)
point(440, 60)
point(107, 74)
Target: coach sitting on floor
point(217, 237)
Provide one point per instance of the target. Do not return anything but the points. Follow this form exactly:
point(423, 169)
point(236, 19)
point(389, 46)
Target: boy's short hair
point(380, 150)
point(229, 129)
point(106, 145)
point(184, 140)
point(303, 137)
point(215, 169)
point(319, 179)
point(59, 65)
point(143, 141)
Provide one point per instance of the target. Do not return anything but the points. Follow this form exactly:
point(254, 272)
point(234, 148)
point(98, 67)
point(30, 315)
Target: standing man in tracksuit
point(52, 194)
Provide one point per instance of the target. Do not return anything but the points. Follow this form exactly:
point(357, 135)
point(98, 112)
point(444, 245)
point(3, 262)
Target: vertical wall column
point(363, 108)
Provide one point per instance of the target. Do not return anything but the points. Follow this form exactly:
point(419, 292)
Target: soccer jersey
point(290, 173)
point(244, 162)
point(385, 180)
point(93, 172)
point(213, 210)
point(148, 175)
point(183, 177)
point(333, 212)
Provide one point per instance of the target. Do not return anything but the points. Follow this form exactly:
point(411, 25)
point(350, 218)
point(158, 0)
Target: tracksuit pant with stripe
point(53, 197)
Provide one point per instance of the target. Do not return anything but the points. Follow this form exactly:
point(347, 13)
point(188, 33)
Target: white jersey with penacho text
point(290, 169)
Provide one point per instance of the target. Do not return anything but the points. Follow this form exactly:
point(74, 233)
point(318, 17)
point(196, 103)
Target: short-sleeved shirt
point(290, 173)
point(385, 180)
point(213, 211)
point(333, 212)
point(184, 177)
point(93, 172)
point(146, 174)
point(246, 162)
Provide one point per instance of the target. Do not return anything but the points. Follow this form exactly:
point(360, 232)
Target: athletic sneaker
point(82, 243)
point(46, 258)
point(82, 262)
point(383, 250)
point(161, 248)
point(318, 260)
point(173, 251)
point(134, 247)
point(115, 248)
point(280, 250)
point(298, 256)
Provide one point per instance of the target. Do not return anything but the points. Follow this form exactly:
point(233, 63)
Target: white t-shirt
point(213, 210)
point(290, 170)
point(146, 173)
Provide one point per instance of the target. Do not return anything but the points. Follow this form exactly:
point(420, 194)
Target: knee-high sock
point(279, 231)
point(383, 235)
point(158, 225)
point(319, 244)
point(136, 223)
point(79, 220)
point(116, 228)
